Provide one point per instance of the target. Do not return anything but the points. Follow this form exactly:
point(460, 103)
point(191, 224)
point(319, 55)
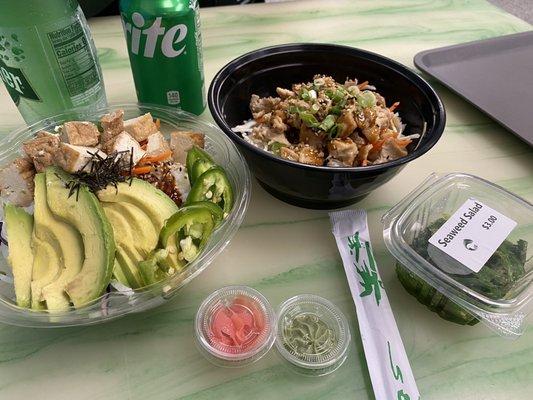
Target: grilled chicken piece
point(16, 182)
point(182, 141)
point(112, 125)
point(304, 154)
point(75, 158)
point(285, 93)
point(141, 127)
point(308, 136)
point(42, 149)
point(262, 105)
point(348, 123)
point(264, 133)
point(362, 156)
point(125, 142)
point(80, 133)
point(156, 144)
point(342, 152)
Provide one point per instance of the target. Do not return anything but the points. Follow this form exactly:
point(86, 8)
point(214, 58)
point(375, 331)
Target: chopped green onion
point(353, 90)
point(314, 108)
point(304, 94)
point(366, 99)
point(275, 147)
point(337, 109)
point(318, 82)
point(335, 130)
point(327, 123)
point(312, 94)
point(309, 119)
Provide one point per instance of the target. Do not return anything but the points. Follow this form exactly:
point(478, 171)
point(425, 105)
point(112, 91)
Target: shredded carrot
point(159, 157)
point(158, 123)
point(141, 170)
point(377, 145)
point(362, 85)
point(394, 106)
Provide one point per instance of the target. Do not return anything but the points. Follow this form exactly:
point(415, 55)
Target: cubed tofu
point(141, 127)
point(75, 158)
point(182, 141)
point(125, 142)
point(80, 133)
point(156, 144)
point(16, 182)
point(42, 149)
point(112, 125)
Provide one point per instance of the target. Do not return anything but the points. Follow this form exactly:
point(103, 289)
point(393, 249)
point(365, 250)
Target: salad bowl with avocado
point(113, 212)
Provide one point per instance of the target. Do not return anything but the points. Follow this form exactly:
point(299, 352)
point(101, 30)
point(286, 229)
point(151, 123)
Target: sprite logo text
point(170, 43)
point(16, 83)
point(367, 272)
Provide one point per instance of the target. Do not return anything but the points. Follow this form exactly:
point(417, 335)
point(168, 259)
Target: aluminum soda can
point(165, 50)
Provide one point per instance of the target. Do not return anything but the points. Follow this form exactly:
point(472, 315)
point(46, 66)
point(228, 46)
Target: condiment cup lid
point(313, 334)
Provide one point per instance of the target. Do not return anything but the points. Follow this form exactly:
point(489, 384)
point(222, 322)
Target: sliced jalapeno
point(192, 226)
point(214, 186)
point(198, 168)
point(195, 154)
point(216, 211)
point(149, 268)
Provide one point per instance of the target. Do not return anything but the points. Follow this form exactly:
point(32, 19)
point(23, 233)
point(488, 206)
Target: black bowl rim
point(421, 84)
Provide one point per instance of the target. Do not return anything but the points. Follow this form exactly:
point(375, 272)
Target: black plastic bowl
point(261, 71)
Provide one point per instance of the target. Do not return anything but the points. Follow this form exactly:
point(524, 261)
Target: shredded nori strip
point(104, 171)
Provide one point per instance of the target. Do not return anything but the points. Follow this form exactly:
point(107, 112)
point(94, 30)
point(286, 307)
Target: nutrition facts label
point(77, 65)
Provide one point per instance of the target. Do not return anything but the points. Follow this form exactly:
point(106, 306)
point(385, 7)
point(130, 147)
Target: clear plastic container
point(313, 335)
point(499, 293)
point(235, 326)
point(122, 301)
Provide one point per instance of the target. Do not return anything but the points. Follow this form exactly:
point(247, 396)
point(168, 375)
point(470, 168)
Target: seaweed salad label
point(470, 236)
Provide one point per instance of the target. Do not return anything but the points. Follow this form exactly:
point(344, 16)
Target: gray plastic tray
point(495, 75)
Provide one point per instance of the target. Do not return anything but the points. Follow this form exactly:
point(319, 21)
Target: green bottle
point(165, 49)
point(48, 60)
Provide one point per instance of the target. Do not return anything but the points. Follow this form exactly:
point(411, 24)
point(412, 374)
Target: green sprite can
point(165, 49)
point(48, 61)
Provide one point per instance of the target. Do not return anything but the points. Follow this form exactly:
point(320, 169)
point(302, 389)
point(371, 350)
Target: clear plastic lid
point(463, 239)
point(313, 335)
point(235, 326)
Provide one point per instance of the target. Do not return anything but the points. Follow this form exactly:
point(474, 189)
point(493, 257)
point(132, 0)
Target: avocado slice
point(19, 227)
point(136, 229)
point(119, 275)
point(132, 247)
point(64, 236)
point(128, 268)
point(85, 213)
point(150, 200)
point(46, 266)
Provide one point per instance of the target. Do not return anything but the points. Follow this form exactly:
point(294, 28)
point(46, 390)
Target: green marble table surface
point(283, 250)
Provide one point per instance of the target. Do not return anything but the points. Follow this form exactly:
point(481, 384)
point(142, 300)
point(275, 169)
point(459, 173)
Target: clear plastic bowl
point(119, 303)
point(440, 196)
point(321, 360)
point(256, 342)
